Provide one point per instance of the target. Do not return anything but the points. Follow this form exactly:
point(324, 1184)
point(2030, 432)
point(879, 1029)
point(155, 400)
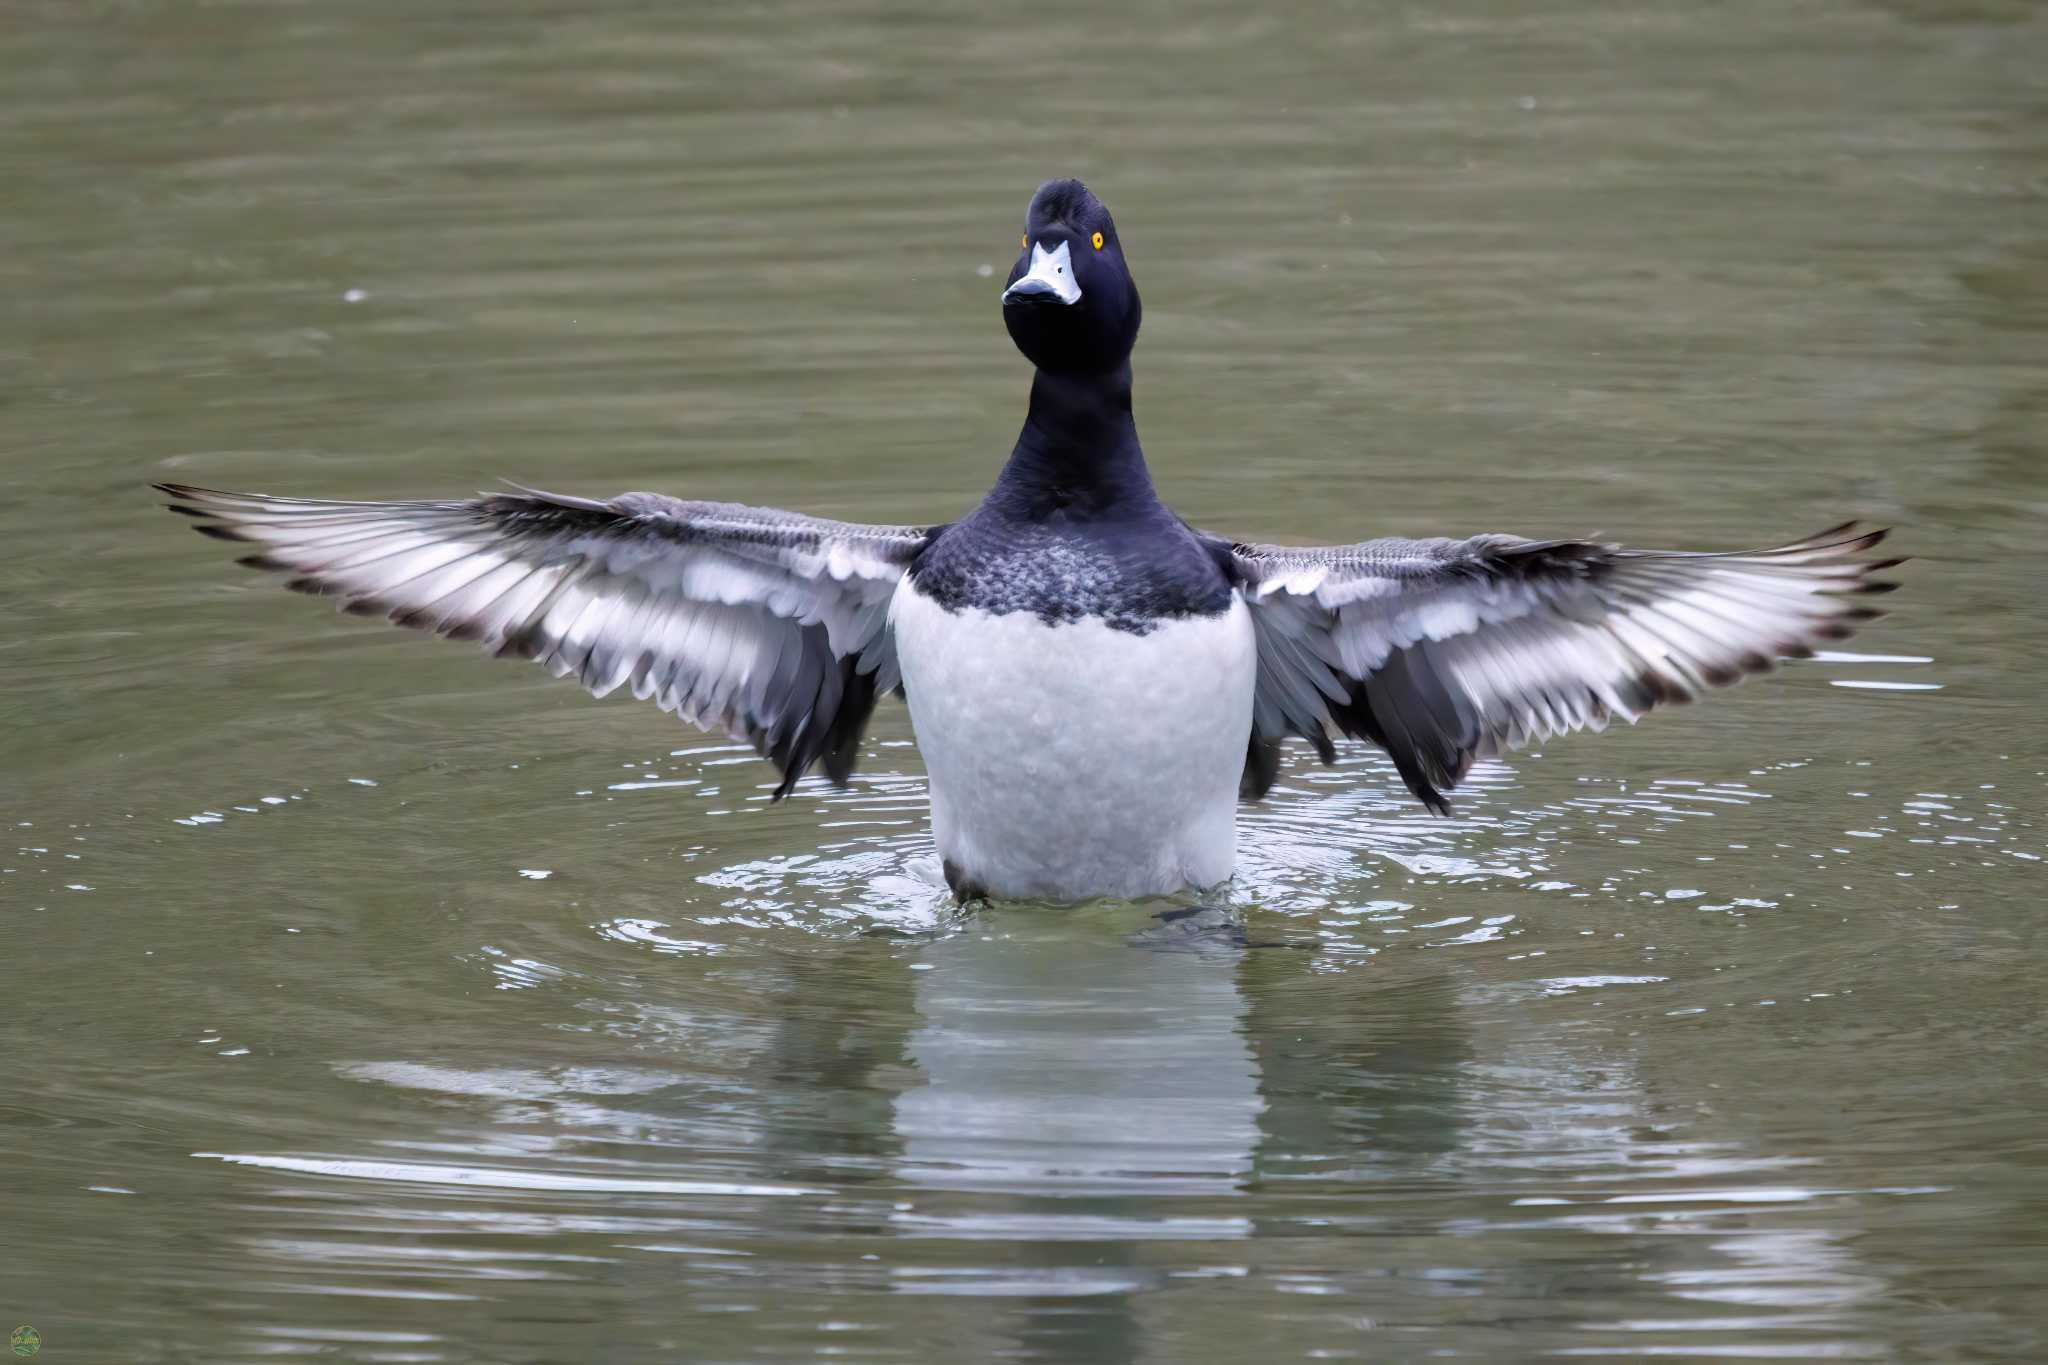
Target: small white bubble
point(354, 295)
point(538, 874)
point(984, 270)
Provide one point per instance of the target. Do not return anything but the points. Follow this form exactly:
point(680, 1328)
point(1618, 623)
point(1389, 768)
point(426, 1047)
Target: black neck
point(1078, 451)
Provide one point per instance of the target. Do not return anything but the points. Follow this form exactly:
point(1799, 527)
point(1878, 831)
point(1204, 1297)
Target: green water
point(371, 1002)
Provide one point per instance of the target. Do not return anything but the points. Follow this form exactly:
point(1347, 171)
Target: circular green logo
point(26, 1341)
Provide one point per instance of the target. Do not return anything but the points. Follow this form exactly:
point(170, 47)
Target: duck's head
point(1071, 305)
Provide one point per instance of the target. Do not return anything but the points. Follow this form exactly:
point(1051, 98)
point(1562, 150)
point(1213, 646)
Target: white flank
point(1075, 760)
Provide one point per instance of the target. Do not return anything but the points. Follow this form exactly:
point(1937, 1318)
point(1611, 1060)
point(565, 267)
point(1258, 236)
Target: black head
point(1071, 305)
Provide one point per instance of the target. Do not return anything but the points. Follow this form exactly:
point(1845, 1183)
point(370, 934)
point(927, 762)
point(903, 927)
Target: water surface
point(368, 1001)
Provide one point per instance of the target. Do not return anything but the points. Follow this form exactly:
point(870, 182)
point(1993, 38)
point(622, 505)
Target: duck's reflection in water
point(1099, 1099)
point(1062, 1064)
point(1083, 1100)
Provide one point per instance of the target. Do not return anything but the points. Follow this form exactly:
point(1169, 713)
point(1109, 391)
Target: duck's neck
point(1078, 452)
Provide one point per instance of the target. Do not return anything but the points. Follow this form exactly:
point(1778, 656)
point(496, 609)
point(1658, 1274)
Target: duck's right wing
point(1447, 651)
point(767, 624)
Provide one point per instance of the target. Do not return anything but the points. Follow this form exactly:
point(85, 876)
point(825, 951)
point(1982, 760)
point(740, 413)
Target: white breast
point(1074, 760)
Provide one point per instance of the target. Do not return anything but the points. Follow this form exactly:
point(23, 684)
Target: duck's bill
point(1049, 280)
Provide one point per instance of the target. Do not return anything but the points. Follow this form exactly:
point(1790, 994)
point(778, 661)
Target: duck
point(1094, 684)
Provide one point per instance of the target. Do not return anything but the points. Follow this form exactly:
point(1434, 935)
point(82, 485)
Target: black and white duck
point(1094, 684)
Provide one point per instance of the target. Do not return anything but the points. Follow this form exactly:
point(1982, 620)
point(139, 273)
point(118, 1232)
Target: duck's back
point(1081, 691)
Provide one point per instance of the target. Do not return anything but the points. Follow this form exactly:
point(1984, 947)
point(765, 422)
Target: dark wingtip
point(1662, 689)
point(415, 618)
point(218, 530)
point(839, 764)
point(1261, 768)
point(524, 644)
point(1845, 538)
point(1325, 750)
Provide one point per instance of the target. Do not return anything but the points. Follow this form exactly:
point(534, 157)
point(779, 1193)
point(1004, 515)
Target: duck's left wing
point(768, 624)
point(1447, 651)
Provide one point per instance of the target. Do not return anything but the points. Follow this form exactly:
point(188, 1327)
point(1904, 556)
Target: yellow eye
point(1023, 241)
point(1097, 239)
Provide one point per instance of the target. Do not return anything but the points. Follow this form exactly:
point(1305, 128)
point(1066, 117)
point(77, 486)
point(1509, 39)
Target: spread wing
point(1447, 651)
point(770, 625)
